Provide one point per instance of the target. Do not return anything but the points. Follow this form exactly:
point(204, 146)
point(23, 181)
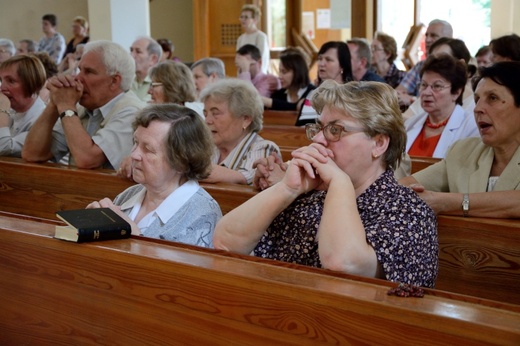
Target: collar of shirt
point(106, 108)
point(237, 154)
point(168, 207)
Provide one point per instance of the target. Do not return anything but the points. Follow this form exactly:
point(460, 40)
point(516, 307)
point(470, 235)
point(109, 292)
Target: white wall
point(505, 17)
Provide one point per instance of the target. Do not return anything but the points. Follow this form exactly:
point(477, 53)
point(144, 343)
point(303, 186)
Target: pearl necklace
point(436, 126)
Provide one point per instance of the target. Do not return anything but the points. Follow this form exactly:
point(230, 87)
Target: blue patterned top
point(54, 45)
point(399, 225)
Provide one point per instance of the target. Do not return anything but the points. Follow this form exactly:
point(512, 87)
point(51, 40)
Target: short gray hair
point(153, 46)
point(447, 29)
point(211, 65)
point(116, 60)
point(363, 50)
point(8, 44)
point(241, 97)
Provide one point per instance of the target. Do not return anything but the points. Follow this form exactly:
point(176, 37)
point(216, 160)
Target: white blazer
point(461, 125)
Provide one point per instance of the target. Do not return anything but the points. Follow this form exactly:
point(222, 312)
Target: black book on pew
point(85, 225)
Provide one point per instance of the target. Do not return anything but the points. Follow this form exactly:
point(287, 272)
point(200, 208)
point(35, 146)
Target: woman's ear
point(381, 143)
point(246, 121)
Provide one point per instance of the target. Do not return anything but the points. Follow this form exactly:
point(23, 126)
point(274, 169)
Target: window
point(276, 23)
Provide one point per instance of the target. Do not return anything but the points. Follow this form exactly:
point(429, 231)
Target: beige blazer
point(466, 170)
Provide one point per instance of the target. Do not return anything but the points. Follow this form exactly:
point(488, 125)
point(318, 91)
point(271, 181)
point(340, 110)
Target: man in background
point(408, 89)
point(89, 116)
point(146, 53)
point(249, 64)
point(360, 58)
point(206, 71)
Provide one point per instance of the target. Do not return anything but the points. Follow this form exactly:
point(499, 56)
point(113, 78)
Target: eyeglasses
point(332, 132)
point(4, 51)
point(153, 85)
point(376, 49)
point(436, 87)
point(245, 17)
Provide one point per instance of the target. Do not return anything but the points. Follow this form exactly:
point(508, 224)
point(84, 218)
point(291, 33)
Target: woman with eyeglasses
point(249, 18)
point(172, 82)
point(481, 176)
point(339, 206)
point(384, 52)
point(443, 121)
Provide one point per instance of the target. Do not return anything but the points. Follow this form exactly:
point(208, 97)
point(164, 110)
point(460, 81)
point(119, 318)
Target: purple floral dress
point(399, 225)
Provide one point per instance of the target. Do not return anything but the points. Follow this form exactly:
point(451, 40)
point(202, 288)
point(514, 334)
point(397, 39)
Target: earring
point(375, 156)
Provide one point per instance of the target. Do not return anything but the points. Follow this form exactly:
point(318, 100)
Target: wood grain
point(135, 292)
point(287, 118)
point(478, 257)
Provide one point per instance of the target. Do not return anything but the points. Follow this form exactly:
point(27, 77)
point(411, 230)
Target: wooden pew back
point(40, 190)
point(272, 117)
point(420, 162)
point(479, 257)
point(137, 291)
point(288, 138)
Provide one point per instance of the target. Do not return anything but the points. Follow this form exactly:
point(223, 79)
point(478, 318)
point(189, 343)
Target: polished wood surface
point(285, 135)
point(287, 118)
point(136, 291)
point(288, 138)
point(478, 256)
point(42, 189)
point(420, 162)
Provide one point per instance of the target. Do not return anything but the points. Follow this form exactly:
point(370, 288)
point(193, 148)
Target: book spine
point(115, 232)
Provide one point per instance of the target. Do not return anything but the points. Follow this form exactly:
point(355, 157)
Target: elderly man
point(206, 71)
point(146, 53)
point(7, 49)
point(408, 89)
point(25, 47)
point(98, 131)
point(360, 58)
point(249, 64)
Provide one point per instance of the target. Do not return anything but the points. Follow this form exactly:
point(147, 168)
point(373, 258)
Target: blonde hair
point(81, 21)
point(375, 105)
point(253, 9)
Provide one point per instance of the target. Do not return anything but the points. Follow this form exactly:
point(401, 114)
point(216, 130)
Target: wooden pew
point(138, 291)
point(272, 117)
point(41, 189)
point(288, 138)
point(479, 257)
point(420, 162)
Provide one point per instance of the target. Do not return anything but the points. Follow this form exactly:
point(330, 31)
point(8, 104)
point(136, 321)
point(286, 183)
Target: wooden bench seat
point(138, 291)
point(478, 257)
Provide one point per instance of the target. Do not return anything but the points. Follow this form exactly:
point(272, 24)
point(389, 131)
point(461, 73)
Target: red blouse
point(424, 146)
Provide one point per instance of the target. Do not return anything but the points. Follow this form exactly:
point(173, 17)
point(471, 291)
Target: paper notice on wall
point(323, 18)
point(308, 24)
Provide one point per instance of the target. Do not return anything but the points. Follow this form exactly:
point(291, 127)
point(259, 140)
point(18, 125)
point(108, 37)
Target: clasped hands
point(312, 167)
point(65, 89)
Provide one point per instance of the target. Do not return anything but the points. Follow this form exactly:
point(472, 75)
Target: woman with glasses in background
point(384, 52)
point(339, 206)
point(443, 121)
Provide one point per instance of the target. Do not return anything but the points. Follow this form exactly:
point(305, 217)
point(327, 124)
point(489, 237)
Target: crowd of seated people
point(333, 204)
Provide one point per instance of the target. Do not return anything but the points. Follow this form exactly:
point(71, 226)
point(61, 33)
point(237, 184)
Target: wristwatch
point(68, 113)
point(465, 205)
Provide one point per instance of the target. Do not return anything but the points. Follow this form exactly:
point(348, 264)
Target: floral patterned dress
point(399, 225)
